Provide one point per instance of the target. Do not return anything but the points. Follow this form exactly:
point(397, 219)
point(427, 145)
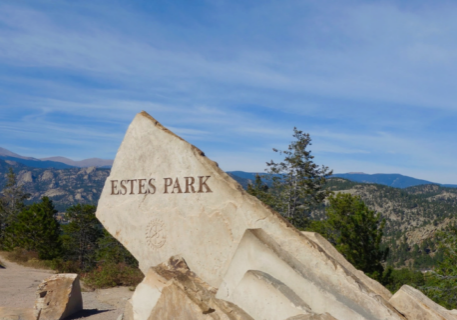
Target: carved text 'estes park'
point(168, 185)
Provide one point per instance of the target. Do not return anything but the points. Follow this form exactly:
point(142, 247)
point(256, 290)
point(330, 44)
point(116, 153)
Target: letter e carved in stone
point(114, 190)
point(141, 186)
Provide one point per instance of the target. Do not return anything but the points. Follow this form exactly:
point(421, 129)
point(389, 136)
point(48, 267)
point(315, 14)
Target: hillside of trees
point(413, 215)
point(78, 243)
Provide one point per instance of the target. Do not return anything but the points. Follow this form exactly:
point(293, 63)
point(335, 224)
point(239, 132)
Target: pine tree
point(11, 204)
point(357, 233)
point(81, 235)
point(442, 283)
point(37, 229)
point(297, 182)
point(261, 190)
point(112, 251)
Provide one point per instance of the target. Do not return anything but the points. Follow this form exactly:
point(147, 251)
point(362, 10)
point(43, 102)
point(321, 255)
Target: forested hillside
point(413, 215)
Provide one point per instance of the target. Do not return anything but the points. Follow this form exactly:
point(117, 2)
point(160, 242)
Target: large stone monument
point(209, 250)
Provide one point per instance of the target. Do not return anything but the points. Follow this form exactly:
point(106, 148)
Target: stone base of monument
point(172, 291)
point(57, 298)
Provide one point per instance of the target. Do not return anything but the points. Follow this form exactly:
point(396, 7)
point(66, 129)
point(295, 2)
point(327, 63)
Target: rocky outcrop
point(58, 297)
point(417, 306)
point(164, 198)
point(65, 187)
point(171, 291)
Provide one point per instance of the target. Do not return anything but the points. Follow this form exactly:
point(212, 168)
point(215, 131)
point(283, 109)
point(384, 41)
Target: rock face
point(164, 198)
point(415, 305)
point(375, 286)
point(58, 297)
point(61, 185)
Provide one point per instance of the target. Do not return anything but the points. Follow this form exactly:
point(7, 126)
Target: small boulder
point(415, 305)
point(58, 297)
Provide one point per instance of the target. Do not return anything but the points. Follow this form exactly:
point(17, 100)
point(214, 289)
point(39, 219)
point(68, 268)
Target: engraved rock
point(156, 234)
point(164, 198)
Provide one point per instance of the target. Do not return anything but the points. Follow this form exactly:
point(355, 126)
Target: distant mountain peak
point(92, 162)
point(389, 179)
point(53, 162)
point(6, 153)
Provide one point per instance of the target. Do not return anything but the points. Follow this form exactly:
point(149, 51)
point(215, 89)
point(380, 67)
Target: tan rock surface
point(18, 284)
point(165, 198)
point(417, 306)
point(325, 316)
point(331, 251)
point(58, 297)
point(172, 291)
point(8, 313)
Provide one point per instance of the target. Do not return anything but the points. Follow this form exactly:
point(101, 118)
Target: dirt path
point(18, 285)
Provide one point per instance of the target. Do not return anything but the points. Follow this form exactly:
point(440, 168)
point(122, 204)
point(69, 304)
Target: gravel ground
point(18, 285)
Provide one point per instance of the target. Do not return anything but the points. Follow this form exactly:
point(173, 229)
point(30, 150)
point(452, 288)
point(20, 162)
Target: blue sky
point(373, 82)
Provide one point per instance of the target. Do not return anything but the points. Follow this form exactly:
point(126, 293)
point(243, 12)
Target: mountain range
point(413, 214)
point(54, 162)
point(244, 178)
point(388, 179)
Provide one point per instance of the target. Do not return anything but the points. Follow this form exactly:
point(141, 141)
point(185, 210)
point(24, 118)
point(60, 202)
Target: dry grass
point(107, 275)
point(25, 258)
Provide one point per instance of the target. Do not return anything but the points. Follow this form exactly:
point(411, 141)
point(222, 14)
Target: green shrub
point(113, 274)
point(63, 266)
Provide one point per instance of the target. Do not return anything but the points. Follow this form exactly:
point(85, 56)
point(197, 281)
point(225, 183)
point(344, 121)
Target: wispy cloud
point(373, 82)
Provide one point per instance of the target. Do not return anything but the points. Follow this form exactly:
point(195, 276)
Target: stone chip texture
point(415, 305)
point(183, 296)
point(58, 297)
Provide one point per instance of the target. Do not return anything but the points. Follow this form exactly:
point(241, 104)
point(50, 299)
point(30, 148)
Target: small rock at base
point(58, 297)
